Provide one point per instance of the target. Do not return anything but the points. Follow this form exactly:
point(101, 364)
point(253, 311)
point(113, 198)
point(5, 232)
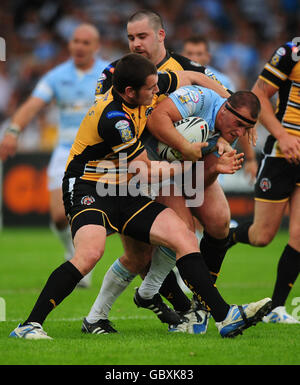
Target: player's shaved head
point(88, 29)
point(154, 19)
point(84, 44)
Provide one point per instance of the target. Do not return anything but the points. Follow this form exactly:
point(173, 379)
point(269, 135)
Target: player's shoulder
point(282, 61)
point(100, 64)
point(62, 68)
point(111, 105)
point(186, 63)
point(110, 67)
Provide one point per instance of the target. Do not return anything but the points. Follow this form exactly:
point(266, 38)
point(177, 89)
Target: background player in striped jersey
point(71, 84)
point(278, 180)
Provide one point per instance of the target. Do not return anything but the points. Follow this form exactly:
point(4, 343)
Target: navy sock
point(287, 273)
point(195, 274)
point(213, 251)
point(240, 233)
point(171, 290)
point(60, 284)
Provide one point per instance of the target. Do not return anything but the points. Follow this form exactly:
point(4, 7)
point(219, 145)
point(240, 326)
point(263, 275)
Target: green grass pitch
point(28, 256)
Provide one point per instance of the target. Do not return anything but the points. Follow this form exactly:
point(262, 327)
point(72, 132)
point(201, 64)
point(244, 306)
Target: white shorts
point(56, 168)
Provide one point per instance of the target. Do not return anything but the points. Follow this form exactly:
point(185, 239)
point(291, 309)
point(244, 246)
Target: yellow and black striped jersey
point(171, 62)
point(282, 71)
point(112, 127)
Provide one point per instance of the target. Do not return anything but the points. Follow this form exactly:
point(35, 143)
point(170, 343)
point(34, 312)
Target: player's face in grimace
point(231, 126)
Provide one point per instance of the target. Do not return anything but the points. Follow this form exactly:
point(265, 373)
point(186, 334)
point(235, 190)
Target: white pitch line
point(80, 319)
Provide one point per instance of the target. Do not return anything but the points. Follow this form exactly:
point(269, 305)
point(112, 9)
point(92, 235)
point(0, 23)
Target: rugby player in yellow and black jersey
point(278, 179)
point(134, 84)
point(279, 172)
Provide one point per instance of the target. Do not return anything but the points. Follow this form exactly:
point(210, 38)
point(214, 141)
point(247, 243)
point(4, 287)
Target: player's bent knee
point(262, 239)
point(88, 257)
point(186, 242)
point(219, 226)
point(135, 264)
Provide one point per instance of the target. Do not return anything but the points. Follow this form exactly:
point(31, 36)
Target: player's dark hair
point(132, 71)
point(154, 18)
point(247, 99)
point(197, 39)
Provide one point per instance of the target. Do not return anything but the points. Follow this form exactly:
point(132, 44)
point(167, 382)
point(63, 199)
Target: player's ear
point(130, 92)
point(161, 35)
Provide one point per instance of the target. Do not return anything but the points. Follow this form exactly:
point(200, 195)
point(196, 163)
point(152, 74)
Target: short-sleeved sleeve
point(118, 132)
point(277, 70)
point(45, 88)
point(191, 100)
point(167, 82)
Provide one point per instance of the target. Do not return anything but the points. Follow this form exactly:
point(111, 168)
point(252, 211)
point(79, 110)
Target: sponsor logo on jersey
point(87, 200)
point(265, 184)
point(101, 77)
point(124, 130)
point(281, 51)
point(114, 114)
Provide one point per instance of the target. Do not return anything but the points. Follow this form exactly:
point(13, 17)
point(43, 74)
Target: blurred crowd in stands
point(242, 36)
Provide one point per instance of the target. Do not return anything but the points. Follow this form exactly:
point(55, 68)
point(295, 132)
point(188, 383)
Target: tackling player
point(278, 180)
point(71, 85)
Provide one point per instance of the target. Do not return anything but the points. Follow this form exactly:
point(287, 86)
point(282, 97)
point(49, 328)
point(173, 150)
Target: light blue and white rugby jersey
point(202, 102)
point(224, 79)
point(74, 92)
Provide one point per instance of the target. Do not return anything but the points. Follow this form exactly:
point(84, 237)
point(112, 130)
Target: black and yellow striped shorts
point(129, 215)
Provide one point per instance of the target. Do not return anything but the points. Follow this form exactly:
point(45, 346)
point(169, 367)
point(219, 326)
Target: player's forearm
point(158, 171)
point(210, 170)
point(162, 128)
point(26, 112)
point(247, 149)
point(191, 77)
point(149, 171)
point(267, 116)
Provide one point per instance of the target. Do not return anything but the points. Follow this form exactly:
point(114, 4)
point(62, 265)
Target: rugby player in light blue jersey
point(228, 119)
point(196, 48)
point(71, 84)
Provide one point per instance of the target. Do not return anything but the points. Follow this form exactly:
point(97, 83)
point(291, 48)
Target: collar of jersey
point(167, 57)
point(120, 99)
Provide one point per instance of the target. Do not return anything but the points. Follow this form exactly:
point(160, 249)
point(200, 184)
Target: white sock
point(65, 237)
point(163, 261)
point(114, 283)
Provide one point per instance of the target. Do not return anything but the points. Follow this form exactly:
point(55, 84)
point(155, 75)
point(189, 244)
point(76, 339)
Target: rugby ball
point(194, 129)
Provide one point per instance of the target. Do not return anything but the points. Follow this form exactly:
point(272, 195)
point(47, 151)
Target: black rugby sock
point(240, 233)
point(213, 251)
point(195, 274)
point(171, 290)
point(287, 272)
point(60, 284)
